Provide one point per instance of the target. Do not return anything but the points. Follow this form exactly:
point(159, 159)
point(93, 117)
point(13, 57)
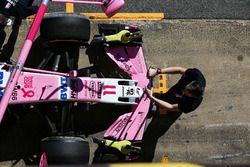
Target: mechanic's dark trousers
point(156, 128)
point(24, 9)
point(21, 10)
point(8, 48)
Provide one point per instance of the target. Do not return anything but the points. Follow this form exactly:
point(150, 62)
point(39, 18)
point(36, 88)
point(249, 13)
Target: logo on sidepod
point(63, 88)
point(1, 82)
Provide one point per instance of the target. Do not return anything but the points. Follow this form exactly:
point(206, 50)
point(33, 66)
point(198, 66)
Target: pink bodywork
point(23, 87)
point(45, 86)
point(110, 9)
point(39, 86)
point(34, 87)
point(130, 126)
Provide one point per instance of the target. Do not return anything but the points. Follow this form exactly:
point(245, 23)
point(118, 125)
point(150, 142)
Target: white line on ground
point(227, 124)
point(227, 156)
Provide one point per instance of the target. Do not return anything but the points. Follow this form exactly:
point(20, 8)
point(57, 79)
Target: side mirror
point(111, 7)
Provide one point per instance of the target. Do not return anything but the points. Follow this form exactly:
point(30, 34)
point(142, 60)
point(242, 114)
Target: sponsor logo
point(92, 89)
point(127, 67)
point(14, 93)
point(63, 88)
point(28, 82)
point(123, 60)
point(138, 91)
point(99, 89)
point(122, 124)
point(1, 77)
point(74, 87)
point(29, 93)
point(1, 82)
point(86, 88)
point(130, 91)
point(1, 95)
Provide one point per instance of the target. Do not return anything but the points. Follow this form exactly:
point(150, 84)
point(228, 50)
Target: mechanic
point(19, 9)
point(184, 97)
point(9, 9)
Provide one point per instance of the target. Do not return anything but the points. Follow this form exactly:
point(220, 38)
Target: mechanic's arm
point(169, 70)
point(168, 106)
point(173, 70)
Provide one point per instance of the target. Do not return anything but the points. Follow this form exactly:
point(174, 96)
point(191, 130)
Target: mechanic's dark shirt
point(174, 94)
point(17, 8)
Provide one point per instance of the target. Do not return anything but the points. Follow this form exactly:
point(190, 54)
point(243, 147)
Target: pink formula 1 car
point(118, 62)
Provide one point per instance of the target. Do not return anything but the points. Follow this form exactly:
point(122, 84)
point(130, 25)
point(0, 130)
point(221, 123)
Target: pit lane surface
point(218, 132)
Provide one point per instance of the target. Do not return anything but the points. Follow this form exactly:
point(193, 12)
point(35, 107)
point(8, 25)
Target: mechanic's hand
point(148, 92)
point(152, 72)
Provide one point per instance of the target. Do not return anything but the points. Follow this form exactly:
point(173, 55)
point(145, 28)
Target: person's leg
point(157, 128)
point(25, 9)
point(8, 48)
point(17, 22)
point(3, 20)
point(2, 36)
point(149, 141)
point(30, 2)
point(26, 3)
point(2, 39)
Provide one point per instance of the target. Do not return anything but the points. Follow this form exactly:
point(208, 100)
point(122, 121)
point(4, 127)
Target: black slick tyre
point(65, 26)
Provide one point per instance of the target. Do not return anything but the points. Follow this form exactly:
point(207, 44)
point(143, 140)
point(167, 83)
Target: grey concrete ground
point(177, 9)
point(218, 132)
